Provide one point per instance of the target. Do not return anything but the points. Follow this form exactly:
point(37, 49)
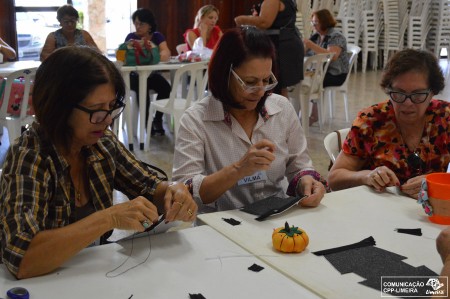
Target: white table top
point(343, 218)
point(10, 67)
point(162, 66)
point(194, 260)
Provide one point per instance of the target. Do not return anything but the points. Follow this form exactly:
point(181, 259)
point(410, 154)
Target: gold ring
point(190, 212)
point(178, 202)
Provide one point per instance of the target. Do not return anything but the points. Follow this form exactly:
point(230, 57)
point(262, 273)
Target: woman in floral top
point(399, 141)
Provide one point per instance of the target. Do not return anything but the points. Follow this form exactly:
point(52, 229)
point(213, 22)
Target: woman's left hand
point(412, 186)
point(179, 204)
point(313, 189)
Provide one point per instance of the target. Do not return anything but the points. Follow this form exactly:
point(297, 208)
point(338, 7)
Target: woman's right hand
point(130, 215)
point(258, 157)
point(381, 177)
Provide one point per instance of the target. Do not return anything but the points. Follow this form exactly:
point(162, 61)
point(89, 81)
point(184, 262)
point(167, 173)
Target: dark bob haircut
point(234, 48)
point(410, 60)
point(65, 79)
point(145, 16)
point(326, 19)
point(66, 10)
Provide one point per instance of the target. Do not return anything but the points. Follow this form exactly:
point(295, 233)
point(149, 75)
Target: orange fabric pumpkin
point(289, 239)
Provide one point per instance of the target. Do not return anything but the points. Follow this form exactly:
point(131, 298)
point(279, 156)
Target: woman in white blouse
point(237, 146)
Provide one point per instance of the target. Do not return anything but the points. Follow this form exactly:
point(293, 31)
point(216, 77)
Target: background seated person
point(7, 51)
point(204, 27)
point(145, 24)
point(68, 35)
point(243, 130)
point(398, 141)
point(58, 178)
point(326, 39)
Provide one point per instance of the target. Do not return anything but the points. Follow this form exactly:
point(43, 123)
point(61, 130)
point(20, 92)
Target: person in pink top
point(204, 27)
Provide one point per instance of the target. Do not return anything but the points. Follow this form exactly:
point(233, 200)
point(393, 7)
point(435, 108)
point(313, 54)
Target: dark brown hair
point(421, 61)
point(145, 16)
point(66, 10)
point(65, 79)
point(234, 48)
point(326, 19)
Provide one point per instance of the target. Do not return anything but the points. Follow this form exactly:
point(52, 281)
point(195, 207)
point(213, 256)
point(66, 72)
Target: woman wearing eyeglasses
point(58, 178)
point(237, 145)
point(326, 39)
point(146, 29)
point(68, 35)
point(398, 141)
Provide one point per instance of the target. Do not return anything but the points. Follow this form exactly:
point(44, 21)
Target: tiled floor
point(363, 90)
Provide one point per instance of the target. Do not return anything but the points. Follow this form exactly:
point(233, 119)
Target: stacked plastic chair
point(323, 4)
point(304, 9)
point(439, 35)
point(395, 24)
point(349, 17)
point(299, 23)
point(419, 23)
point(372, 23)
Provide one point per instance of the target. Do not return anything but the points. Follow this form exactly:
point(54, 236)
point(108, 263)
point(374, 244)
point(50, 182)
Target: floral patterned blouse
point(375, 138)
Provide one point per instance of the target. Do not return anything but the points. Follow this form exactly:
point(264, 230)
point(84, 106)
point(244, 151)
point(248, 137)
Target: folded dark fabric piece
point(370, 241)
point(410, 231)
point(231, 221)
point(270, 206)
point(255, 268)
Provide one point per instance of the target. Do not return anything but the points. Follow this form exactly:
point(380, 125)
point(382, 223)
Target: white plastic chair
point(313, 88)
point(15, 123)
point(175, 105)
point(333, 143)
point(182, 48)
point(332, 90)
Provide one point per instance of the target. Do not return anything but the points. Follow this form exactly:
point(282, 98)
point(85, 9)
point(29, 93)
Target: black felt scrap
point(410, 231)
point(231, 221)
point(196, 296)
point(370, 241)
point(255, 268)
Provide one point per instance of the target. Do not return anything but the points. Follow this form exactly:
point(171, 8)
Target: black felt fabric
point(270, 205)
point(255, 268)
point(370, 241)
point(231, 221)
point(410, 231)
point(372, 262)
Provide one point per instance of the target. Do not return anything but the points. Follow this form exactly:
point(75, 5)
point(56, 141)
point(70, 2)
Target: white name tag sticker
point(258, 176)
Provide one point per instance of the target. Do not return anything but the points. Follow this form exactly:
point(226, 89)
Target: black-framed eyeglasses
point(270, 84)
point(416, 164)
point(99, 115)
point(416, 97)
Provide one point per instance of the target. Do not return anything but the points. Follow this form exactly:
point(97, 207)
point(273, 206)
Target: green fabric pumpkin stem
point(290, 231)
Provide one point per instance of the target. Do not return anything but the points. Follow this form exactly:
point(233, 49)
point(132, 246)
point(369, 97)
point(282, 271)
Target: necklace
point(414, 160)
